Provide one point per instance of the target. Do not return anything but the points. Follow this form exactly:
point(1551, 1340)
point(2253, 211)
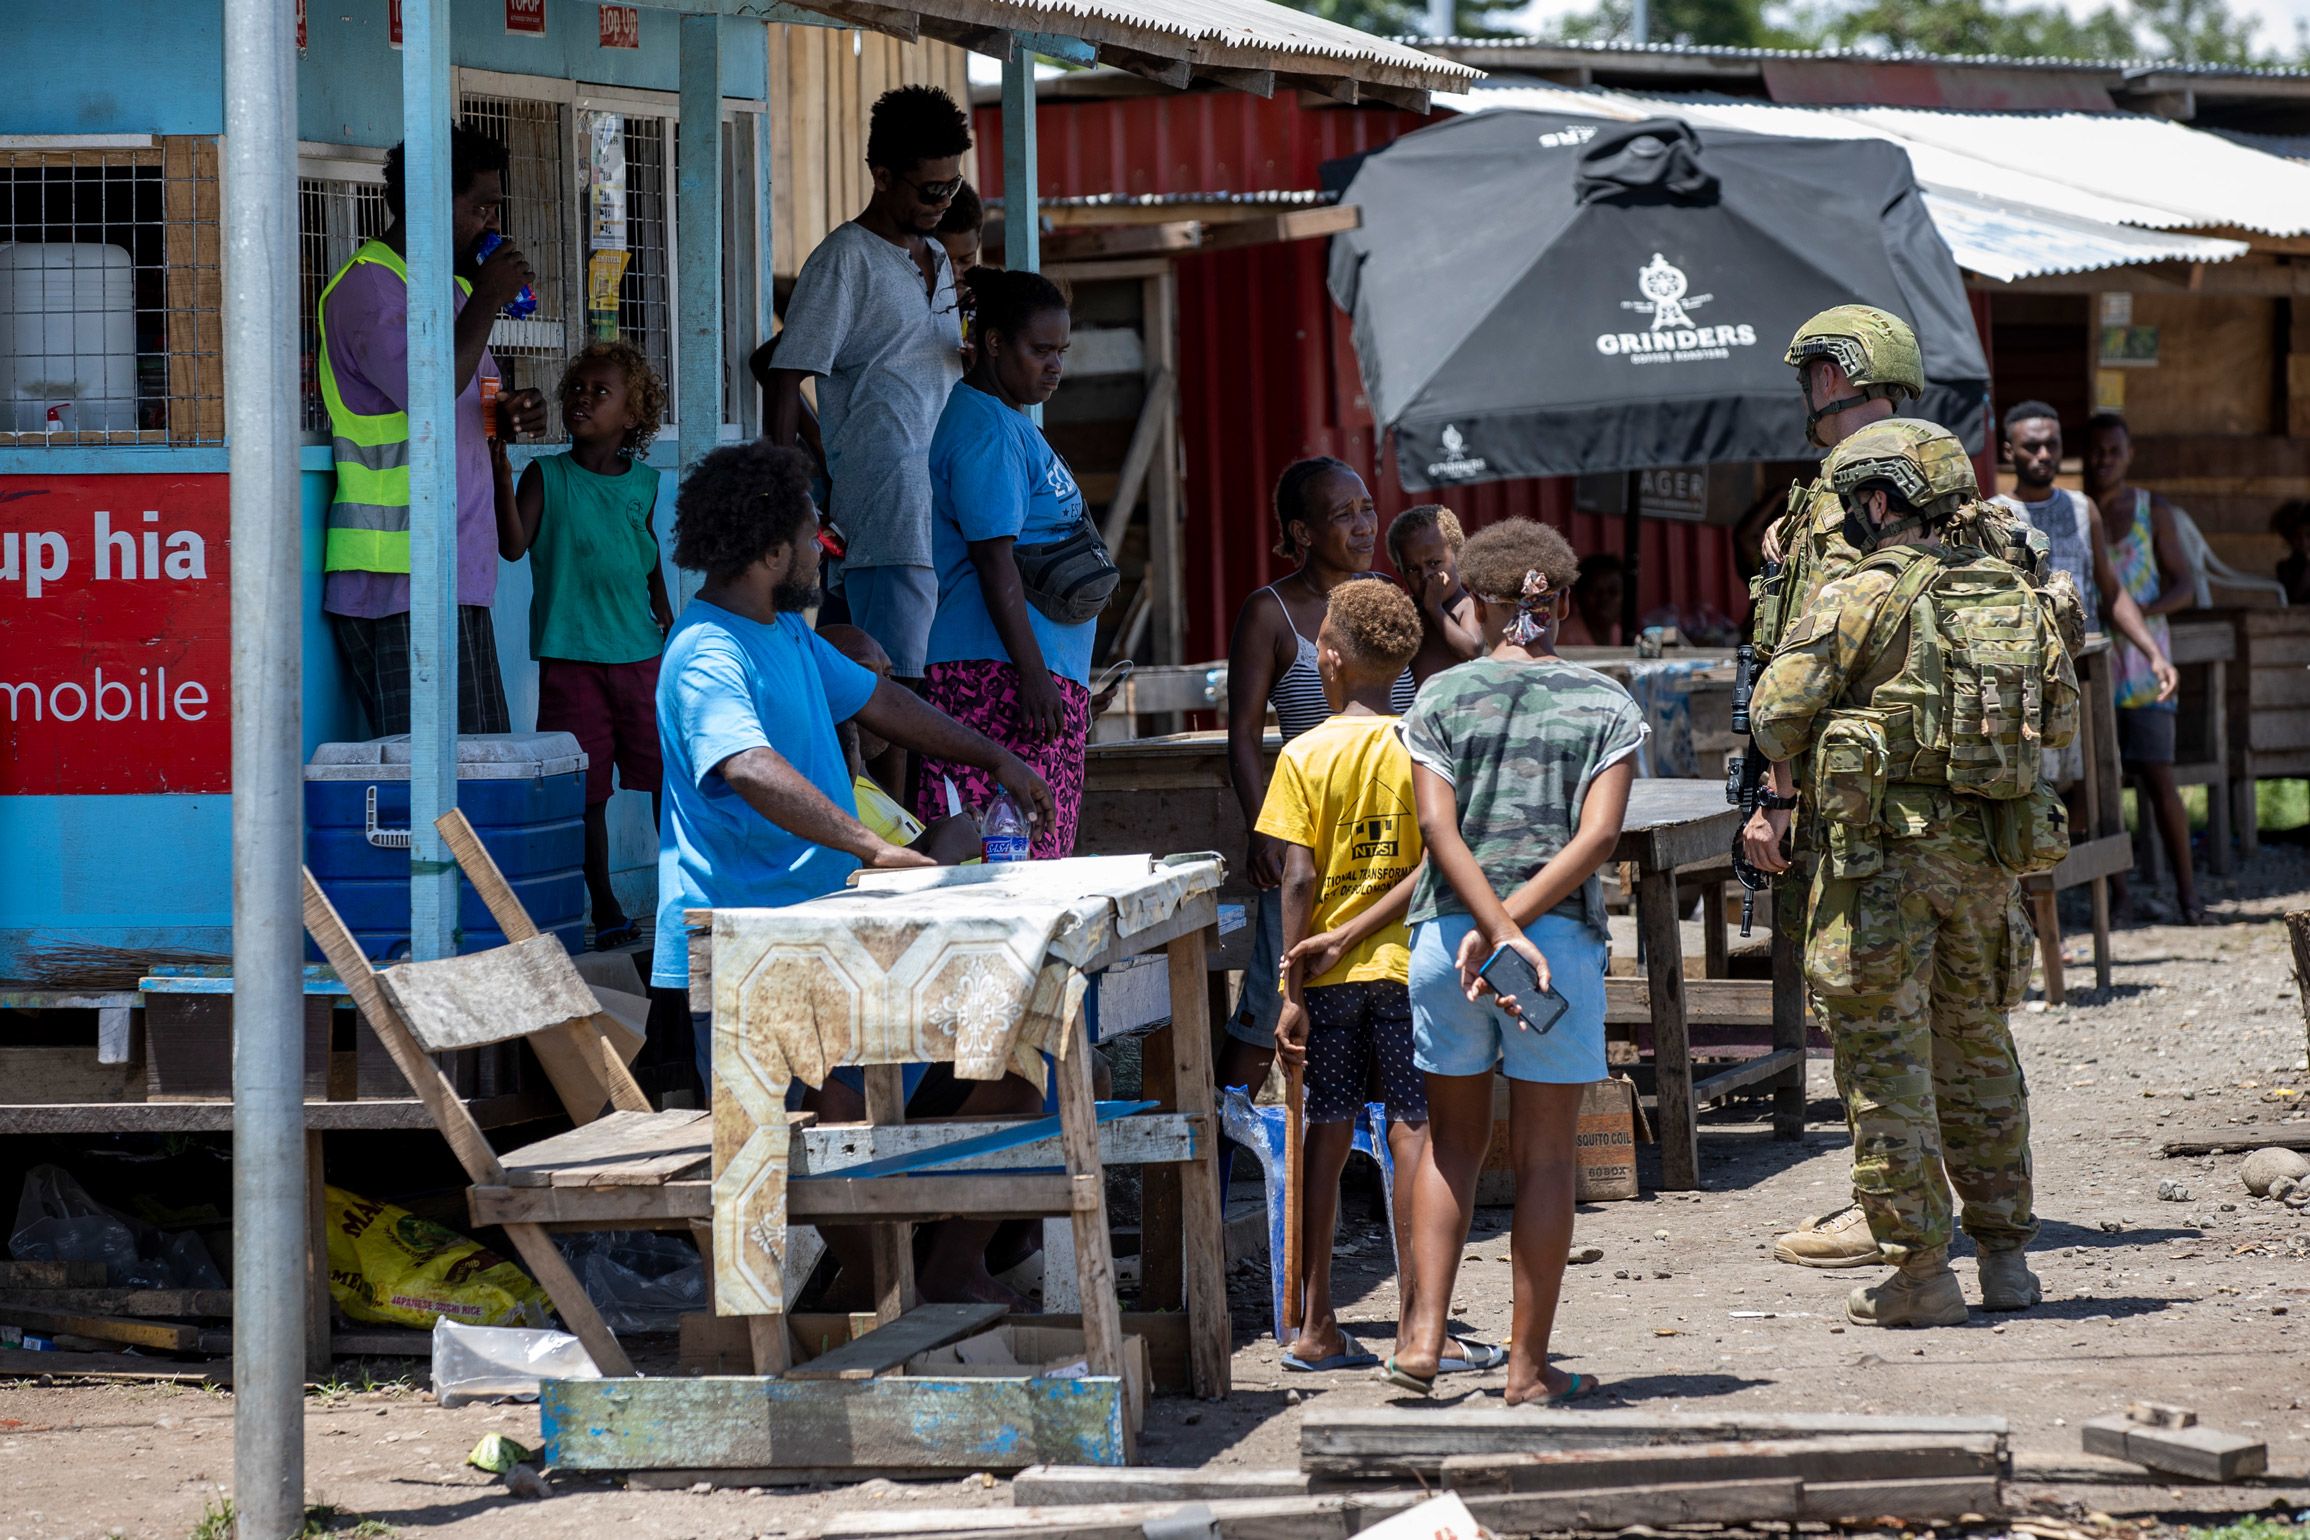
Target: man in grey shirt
point(874, 316)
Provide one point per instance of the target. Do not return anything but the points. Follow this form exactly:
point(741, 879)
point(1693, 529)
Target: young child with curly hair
point(1341, 806)
point(598, 608)
point(1521, 764)
point(1424, 543)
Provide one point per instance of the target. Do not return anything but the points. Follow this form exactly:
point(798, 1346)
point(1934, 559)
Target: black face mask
point(1859, 533)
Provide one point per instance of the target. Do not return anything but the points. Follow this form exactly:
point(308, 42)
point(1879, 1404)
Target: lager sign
point(116, 602)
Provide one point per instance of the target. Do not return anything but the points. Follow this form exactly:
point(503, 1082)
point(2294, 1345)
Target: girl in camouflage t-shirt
point(1521, 764)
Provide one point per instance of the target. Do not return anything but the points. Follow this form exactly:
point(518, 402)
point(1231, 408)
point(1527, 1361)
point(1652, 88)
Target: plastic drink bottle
point(1003, 836)
point(522, 304)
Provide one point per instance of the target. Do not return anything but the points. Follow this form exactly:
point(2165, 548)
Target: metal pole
point(426, 111)
point(1639, 23)
point(698, 240)
point(1441, 20)
point(1022, 213)
point(261, 415)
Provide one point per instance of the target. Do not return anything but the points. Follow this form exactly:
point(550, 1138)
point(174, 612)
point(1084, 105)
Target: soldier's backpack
point(1988, 688)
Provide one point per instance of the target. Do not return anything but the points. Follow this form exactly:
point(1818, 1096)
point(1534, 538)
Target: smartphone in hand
point(1509, 972)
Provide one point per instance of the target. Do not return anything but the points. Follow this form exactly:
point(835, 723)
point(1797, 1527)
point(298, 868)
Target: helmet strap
point(1841, 404)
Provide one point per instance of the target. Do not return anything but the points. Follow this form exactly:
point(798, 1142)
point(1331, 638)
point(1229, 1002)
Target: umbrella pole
point(1631, 561)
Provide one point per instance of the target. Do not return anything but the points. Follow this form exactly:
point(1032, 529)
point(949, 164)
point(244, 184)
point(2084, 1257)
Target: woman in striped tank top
point(1326, 521)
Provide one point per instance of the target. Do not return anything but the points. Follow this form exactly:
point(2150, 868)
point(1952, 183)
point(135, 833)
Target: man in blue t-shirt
point(759, 810)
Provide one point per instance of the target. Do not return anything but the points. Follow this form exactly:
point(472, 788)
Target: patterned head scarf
point(1528, 627)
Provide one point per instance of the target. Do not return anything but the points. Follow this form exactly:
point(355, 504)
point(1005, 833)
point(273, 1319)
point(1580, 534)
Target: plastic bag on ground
point(57, 1221)
point(640, 1280)
point(483, 1363)
point(390, 1268)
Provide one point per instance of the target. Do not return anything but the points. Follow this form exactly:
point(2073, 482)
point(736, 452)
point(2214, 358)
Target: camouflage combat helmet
point(1922, 461)
point(1875, 348)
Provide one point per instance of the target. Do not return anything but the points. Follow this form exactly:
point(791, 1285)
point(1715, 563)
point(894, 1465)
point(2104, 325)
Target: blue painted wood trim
point(1022, 211)
point(698, 241)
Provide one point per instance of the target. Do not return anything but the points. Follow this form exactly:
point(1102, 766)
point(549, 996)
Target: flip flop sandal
point(1582, 1387)
point(1475, 1357)
point(1350, 1356)
point(1404, 1379)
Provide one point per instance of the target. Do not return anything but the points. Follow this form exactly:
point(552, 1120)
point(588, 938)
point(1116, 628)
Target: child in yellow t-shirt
point(1341, 801)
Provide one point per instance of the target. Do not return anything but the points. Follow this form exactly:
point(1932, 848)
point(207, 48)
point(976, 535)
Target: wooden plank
point(1203, 1259)
point(1718, 1002)
point(18, 1364)
point(1327, 1517)
point(1377, 1442)
point(668, 1207)
point(319, 1350)
point(1041, 1486)
point(2206, 1454)
point(45, 1073)
point(919, 1199)
point(1298, 225)
point(1764, 1066)
point(901, 1422)
point(1905, 1502)
point(2222, 1141)
point(163, 1335)
point(1146, 1138)
point(887, 1346)
point(496, 996)
point(18, 1276)
point(890, 1245)
point(570, 1301)
point(623, 1149)
point(217, 1117)
point(1871, 1457)
point(2108, 856)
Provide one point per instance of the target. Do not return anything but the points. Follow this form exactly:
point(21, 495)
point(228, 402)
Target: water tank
point(67, 338)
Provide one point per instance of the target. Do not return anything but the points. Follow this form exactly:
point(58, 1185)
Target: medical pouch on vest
point(2028, 835)
point(1849, 791)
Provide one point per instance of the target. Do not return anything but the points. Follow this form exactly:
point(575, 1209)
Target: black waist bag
point(1070, 579)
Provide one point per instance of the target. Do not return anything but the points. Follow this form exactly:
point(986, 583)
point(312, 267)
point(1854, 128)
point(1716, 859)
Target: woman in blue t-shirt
point(1011, 658)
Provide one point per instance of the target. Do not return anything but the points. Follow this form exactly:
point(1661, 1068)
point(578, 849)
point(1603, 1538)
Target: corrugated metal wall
point(1267, 368)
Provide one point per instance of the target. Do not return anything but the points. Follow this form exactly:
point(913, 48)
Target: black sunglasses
point(932, 192)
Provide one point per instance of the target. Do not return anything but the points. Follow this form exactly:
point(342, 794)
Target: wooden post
point(1162, 1285)
point(2298, 932)
point(1165, 560)
point(892, 1241)
point(1656, 929)
point(1205, 1264)
point(319, 1350)
point(2045, 918)
point(1094, 1246)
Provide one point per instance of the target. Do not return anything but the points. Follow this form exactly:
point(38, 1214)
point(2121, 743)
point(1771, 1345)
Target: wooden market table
point(843, 1408)
point(1174, 793)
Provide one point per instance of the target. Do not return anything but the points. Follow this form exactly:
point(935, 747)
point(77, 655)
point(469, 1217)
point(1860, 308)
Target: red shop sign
point(116, 602)
point(526, 17)
point(621, 27)
point(393, 22)
point(300, 26)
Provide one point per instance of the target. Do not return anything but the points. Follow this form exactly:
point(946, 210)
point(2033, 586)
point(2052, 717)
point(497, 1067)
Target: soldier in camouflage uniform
point(1916, 944)
point(1855, 365)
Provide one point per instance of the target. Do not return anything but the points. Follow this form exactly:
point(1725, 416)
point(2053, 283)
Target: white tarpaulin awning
point(2004, 221)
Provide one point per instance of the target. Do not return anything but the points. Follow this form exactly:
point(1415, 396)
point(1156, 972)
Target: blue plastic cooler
point(525, 794)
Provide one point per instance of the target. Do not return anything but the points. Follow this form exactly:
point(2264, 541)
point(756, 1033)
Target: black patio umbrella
point(1537, 294)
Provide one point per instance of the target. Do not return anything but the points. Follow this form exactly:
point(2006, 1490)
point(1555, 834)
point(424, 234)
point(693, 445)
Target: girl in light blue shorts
point(1521, 765)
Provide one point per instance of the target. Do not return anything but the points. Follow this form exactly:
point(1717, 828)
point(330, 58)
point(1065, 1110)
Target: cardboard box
point(1607, 1146)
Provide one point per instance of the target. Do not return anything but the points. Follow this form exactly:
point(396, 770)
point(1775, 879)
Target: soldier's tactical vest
point(1985, 691)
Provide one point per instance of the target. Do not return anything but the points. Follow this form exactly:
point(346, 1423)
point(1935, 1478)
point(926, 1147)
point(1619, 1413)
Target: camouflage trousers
point(1914, 969)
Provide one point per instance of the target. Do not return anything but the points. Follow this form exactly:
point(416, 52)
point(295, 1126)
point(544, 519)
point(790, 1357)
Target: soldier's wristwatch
point(1776, 804)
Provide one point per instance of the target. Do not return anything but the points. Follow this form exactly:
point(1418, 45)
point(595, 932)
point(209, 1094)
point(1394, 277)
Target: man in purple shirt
point(364, 376)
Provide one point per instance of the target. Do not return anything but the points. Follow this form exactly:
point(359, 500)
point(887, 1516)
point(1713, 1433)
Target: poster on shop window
point(116, 601)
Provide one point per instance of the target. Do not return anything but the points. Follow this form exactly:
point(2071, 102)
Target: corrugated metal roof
point(2000, 221)
point(2196, 179)
point(1286, 198)
point(2287, 146)
point(1608, 50)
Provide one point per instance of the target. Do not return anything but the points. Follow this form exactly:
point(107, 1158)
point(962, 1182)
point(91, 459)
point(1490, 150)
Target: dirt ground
point(2203, 1301)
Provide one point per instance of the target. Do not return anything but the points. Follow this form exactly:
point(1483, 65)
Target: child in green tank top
point(598, 608)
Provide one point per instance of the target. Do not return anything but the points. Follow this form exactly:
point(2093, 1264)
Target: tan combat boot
point(1841, 1239)
point(1920, 1292)
point(2006, 1281)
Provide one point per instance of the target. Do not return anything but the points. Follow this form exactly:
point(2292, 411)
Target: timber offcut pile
point(1518, 1472)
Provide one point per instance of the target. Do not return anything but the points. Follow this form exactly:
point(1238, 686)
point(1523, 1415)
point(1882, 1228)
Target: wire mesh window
point(334, 216)
point(537, 219)
point(110, 291)
point(644, 314)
